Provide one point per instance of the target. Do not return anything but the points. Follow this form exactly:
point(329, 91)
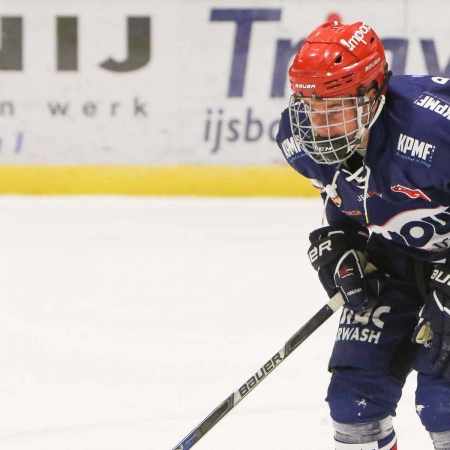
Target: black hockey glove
point(433, 328)
point(337, 253)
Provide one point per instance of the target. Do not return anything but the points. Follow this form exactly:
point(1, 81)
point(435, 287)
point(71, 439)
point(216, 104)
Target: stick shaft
point(225, 407)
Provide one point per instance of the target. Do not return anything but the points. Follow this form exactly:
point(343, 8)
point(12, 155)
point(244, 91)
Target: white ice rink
point(125, 321)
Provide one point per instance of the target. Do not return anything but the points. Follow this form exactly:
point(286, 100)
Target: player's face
point(332, 118)
point(330, 130)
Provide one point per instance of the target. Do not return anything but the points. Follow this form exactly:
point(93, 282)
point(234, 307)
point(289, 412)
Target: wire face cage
point(330, 130)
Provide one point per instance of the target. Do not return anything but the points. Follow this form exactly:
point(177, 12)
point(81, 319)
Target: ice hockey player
point(378, 149)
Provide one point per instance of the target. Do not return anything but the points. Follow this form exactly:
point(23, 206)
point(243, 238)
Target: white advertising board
point(169, 82)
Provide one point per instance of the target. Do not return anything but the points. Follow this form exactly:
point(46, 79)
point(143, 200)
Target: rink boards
point(156, 180)
point(177, 97)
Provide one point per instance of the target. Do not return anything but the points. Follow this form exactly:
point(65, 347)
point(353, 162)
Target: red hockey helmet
point(338, 60)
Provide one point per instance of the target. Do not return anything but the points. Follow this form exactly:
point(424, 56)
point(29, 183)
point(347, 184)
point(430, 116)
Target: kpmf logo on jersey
point(415, 150)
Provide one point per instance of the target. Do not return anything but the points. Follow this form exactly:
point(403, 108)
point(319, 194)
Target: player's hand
point(433, 328)
point(337, 253)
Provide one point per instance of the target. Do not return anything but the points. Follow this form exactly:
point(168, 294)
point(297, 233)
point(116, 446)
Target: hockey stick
point(224, 408)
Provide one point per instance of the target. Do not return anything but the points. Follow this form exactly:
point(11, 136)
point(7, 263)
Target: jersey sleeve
point(296, 158)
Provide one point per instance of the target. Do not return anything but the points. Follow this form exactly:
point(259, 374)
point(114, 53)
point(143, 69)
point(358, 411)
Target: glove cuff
point(330, 243)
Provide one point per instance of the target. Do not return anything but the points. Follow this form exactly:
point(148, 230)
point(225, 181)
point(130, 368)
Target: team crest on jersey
point(337, 201)
point(411, 193)
point(330, 190)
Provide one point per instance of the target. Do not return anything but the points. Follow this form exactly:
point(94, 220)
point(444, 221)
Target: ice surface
point(125, 321)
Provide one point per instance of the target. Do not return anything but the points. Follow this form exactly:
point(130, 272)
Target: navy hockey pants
point(372, 356)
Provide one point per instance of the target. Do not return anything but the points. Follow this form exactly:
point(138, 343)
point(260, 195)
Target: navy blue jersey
point(402, 195)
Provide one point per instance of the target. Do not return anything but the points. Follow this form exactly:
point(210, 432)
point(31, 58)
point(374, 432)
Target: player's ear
point(372, 93)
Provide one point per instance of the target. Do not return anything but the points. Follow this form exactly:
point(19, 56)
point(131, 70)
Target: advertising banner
point(175, 82)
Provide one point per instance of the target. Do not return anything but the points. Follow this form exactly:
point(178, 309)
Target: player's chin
point(336, 156)
point(331, 150)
